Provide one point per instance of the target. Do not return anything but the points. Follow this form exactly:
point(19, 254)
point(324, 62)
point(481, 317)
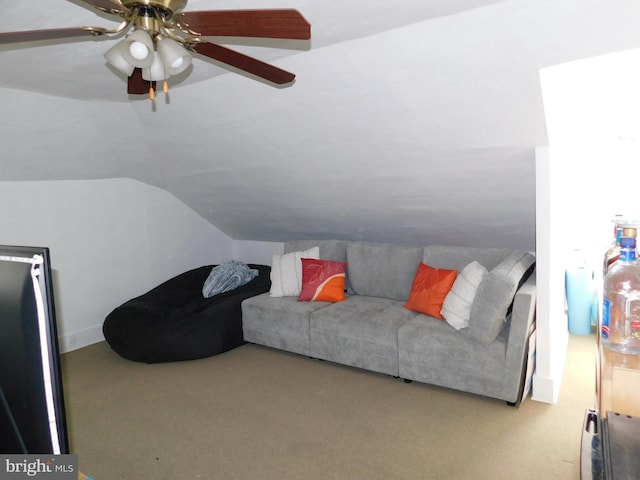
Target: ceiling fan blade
point(50, 34)
point(243, 62)
point(276, 23)
point(109, 6)
point(136, 85)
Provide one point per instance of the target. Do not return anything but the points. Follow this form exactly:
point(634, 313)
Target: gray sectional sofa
point(373, 330)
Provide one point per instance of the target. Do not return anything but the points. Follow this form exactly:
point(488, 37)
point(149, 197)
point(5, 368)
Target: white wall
point(110, 240)
point(551, 321)
point(590, 173)
point(249, 251)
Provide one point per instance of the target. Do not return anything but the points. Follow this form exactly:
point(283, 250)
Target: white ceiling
point(412, 121)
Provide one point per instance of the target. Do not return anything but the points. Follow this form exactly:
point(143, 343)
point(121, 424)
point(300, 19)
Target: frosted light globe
point(138, 50)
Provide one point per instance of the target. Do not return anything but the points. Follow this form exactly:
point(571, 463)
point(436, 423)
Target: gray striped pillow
point(227, 276)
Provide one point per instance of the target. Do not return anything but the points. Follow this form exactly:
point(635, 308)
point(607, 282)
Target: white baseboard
point(546, 388)
point(80, 338)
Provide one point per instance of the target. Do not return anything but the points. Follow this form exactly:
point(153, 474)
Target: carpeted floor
point(258, 413)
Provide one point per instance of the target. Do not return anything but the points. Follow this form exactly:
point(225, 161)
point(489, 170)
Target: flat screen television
point(32, 412)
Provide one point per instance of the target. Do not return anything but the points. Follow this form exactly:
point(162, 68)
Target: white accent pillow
point(456, 308)
point(286, 272)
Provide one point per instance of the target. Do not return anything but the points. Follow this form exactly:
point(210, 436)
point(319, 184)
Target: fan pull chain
point(152, 93)
point(165, 87)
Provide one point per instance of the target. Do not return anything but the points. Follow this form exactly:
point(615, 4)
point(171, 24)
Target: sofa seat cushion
point(279, 322)
point(432, 351)
point(360, 331)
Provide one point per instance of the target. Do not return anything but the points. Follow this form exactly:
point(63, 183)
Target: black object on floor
point(174, 322)
point(610, 448)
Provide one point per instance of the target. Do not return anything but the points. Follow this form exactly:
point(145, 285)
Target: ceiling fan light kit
point(175, 58)
point(156, 71)
point(164, 37)
point(115, 57)
point(137, 49)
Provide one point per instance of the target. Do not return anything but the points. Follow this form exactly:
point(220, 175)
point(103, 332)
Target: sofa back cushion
point(495, 295)
point(382, 270)
point(335, 250)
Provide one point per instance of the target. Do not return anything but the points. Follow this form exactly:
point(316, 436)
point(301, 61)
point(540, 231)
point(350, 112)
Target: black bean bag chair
point(174, 322)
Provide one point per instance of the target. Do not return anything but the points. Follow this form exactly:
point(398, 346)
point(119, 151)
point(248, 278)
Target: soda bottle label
point(635, 329)
point(627, 255)
point(606, 314)
point(632, 314)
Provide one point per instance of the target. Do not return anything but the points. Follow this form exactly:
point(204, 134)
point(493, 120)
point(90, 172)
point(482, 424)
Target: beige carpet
point(258, 413)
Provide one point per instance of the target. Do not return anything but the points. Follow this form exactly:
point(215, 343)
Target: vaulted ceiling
point(412, 121)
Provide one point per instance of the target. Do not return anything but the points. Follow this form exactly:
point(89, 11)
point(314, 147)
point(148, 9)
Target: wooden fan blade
point(243, 62)
point(138, 85)
point(276, 23)
point(109, 6)
point(50, 34)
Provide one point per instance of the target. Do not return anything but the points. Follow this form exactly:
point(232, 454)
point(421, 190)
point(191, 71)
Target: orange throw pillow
point(430, 287)
point(322, 280)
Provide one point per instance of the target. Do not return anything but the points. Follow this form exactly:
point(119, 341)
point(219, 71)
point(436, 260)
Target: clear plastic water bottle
point(620, 326)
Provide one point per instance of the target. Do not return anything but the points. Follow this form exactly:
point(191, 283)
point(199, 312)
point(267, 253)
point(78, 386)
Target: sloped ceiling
point(412, 121)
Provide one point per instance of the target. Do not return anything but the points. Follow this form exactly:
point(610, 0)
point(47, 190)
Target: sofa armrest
point(523, 317)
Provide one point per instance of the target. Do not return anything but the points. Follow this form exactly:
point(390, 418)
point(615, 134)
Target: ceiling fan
point(162, 36)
